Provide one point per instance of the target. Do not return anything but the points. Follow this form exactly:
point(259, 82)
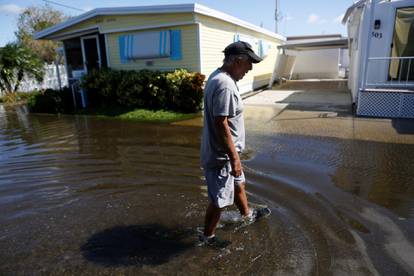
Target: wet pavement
point(82, 195)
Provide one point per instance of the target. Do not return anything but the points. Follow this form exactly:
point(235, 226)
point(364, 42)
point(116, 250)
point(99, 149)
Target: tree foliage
point(34, 19)
point(16, 61)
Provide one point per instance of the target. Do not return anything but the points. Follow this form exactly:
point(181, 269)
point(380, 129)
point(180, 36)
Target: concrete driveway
point(309, 95)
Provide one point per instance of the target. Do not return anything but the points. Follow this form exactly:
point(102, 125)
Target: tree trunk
point(6, 83)
point(20, 75)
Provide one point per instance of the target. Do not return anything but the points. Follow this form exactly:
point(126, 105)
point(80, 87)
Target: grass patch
point(140, 115)
point(155, 116)
point(16, 98)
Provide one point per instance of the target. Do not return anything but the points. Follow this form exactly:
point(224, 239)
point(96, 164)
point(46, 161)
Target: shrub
point(129, 89)
point(185, 90)
point(140, 89)
point(101, 86)
point(153, 95)
point(22, 96)
point(42, 103)
point(178, 90)
point(51, 101)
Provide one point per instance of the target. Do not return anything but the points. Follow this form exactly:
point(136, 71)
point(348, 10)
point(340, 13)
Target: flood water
point(87, 196)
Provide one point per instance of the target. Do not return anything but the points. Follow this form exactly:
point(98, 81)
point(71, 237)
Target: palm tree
point(15, 62)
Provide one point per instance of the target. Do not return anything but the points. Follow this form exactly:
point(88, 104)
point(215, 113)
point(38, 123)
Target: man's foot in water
point(255, 215)
point(212, 241)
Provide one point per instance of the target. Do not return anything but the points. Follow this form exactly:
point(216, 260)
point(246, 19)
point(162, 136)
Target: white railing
point(387, 72)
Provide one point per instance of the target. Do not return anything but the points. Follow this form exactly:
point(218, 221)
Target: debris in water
point(256, 258)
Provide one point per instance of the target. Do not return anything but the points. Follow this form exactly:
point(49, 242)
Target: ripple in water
point(94, 196)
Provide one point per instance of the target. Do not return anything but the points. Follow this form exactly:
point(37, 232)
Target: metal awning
point(316, 45)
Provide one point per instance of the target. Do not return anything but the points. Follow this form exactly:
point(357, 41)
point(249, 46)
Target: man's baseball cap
point(242, 47)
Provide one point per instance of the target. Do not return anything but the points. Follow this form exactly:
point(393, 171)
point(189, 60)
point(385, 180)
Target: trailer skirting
point(386, 104)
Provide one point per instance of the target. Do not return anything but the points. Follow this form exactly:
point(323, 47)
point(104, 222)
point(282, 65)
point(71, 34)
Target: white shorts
point(220, 185)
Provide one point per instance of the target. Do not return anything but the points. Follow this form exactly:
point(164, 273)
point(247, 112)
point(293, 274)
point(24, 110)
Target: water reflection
point(52, 157)
point(86, 195)
point(379, 172)
point(365, 157)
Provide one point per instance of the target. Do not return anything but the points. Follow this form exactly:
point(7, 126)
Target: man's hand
point(236, 167)
point(221, 123)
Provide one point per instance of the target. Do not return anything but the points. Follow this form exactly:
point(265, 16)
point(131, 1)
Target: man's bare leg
point(240, 198)
point(211, 220)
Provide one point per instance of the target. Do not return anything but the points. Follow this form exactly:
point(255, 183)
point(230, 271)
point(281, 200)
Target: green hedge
point(178, 91)
point(51, 101)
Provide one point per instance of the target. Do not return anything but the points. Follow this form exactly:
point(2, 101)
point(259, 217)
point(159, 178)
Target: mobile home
point(165, 37)
point(381, 46)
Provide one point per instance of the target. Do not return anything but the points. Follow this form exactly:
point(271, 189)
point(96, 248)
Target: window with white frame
point(150, 45)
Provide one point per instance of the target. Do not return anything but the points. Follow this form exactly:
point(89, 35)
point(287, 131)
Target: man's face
point(242, 67)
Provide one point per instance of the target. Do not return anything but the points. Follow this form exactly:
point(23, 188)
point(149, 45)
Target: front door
point(91, 53)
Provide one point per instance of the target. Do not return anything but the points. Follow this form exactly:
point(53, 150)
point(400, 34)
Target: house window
point(264, 48)
point(249, 39)
point(403, 46)
point(149, 45)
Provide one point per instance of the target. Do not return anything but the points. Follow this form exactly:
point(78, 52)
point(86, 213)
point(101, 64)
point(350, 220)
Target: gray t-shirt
point(221, 98)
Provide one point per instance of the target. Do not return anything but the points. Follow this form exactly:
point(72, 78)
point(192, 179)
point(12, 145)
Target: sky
point(298, 17)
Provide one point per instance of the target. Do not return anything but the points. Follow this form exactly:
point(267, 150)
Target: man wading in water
point(224, 139)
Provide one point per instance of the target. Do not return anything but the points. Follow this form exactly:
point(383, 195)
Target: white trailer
point(381, 47)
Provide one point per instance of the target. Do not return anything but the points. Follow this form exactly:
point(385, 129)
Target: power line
point(62, 5)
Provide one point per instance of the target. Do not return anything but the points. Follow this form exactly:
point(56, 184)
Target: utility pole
point(276, 15)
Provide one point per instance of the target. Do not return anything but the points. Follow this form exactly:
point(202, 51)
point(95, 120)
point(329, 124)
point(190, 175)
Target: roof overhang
point(316, 45)
point(159, 9)
point(350, 10)
point(75, 33)
point(313, 37)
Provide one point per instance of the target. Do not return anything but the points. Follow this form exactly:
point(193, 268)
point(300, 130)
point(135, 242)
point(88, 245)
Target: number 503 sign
point(377, 35)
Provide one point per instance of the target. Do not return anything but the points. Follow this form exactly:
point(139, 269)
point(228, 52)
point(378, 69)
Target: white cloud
point(313, 18)
point(10, 8)
point(338, 19)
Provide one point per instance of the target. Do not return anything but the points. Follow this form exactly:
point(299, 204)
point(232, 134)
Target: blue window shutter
point(122, 53)
point(163, 43)
point(176, 45)
point(261, 53)
point(160, 46)
point(130, 46)
point(164, 48)
point(263, 48)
